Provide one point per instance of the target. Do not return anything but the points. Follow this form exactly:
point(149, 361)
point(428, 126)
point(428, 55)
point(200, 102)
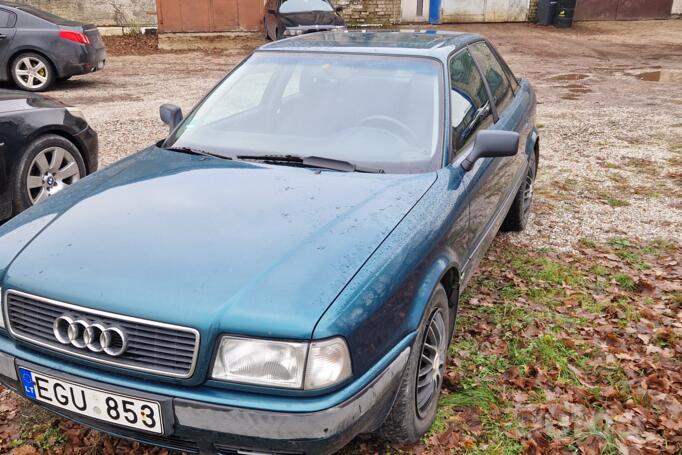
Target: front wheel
point(417, 402)
point(33, 72)
point(50, 164)
point(517, 217)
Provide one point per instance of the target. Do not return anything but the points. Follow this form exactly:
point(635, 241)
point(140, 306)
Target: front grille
point(152, 347)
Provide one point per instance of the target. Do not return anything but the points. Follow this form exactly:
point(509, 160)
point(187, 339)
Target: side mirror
point(338, 9)
point(492, 144)
point(171, 115)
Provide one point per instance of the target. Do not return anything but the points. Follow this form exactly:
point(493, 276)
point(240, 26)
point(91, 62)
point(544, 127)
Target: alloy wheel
point(32, 73)
point(431, 363)
point(52, 170)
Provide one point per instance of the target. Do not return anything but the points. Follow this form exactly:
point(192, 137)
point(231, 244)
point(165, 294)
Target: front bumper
point(303, 29)
point(201, 427)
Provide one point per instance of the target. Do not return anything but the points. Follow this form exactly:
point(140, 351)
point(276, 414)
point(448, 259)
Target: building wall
point(371, 12)
point(101, 12)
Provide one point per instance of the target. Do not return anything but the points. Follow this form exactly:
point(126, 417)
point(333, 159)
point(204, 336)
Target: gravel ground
point(611, 142)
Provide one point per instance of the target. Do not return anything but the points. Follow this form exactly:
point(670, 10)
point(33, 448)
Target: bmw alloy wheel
point(32, 73)
point(431, 363)
point(52, 170)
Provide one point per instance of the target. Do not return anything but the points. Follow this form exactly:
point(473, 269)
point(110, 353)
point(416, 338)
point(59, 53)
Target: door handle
point(2, 36)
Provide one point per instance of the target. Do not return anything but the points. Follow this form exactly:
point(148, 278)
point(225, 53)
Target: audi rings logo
point(94, 336)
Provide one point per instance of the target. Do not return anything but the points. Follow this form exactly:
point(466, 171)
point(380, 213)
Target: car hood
point(221, 246)
point(311, 18)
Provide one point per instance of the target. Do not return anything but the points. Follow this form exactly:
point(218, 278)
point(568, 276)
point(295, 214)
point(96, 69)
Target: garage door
point(209, 15)
point(485, 10)
point(609, 10)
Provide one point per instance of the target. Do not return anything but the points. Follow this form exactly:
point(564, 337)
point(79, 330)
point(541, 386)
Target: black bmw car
point(45, 146)
point(38, 48)
point(285, 18)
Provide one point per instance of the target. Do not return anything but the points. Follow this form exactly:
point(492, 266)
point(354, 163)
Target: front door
point(492, 179)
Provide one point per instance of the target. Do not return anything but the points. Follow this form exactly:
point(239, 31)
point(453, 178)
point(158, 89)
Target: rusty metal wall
point(609, 10)
point(209, 15)
point(644, 9)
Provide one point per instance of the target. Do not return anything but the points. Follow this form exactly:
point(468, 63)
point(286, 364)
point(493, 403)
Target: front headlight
point(293, 32)
point(76, 113)
point(282, 363)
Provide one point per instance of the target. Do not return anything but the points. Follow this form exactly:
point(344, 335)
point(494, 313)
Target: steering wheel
point(391, 124)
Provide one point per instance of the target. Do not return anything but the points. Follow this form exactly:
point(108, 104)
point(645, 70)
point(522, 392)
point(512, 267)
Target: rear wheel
point(32, 72)
point(417, 402)
point(50, 164)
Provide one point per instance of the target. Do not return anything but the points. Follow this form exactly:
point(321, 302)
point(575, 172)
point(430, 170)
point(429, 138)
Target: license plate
point(94, 403)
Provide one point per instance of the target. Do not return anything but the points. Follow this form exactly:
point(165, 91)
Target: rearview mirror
point(492, 144)
point(171, 115)
point(338, 9)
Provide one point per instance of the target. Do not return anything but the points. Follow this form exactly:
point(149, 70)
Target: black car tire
point(17, 65)
point(517, 217)
point(22, 200)
point(405, 424)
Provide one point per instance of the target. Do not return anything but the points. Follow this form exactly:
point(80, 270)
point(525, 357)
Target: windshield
point(376, 111)
point(301, 6)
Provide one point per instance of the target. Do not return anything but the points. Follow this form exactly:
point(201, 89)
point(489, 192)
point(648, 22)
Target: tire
point(267, 35)
point(32, 170)
point(517, 217)
point(408, 421)
point(33, 72)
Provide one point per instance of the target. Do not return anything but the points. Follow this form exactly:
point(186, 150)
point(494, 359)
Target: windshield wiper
point(317, 162)
point(196, 152)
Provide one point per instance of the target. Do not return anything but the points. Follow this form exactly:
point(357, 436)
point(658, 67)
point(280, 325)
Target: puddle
point(661, 76)
point(569, 77)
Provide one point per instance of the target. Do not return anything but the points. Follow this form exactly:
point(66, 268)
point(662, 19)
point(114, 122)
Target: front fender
point(442, 264)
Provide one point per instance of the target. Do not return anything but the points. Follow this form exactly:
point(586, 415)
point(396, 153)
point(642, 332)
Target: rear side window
point(7, 19)
point(494, 74)
point(469, 104)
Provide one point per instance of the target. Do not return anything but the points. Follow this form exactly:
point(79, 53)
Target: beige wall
point(101, 12)
point(677, 6)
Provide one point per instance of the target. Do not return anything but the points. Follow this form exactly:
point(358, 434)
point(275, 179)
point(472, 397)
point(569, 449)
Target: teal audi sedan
point(283, 271)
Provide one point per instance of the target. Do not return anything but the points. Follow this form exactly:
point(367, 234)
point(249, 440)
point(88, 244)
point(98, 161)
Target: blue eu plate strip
point(27, 383)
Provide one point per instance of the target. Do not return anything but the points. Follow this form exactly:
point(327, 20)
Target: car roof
point(432, 43)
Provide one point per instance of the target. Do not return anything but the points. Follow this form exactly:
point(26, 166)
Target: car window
point(494, 74)
point(299, 6)
point(469, 104)
point(7, 19)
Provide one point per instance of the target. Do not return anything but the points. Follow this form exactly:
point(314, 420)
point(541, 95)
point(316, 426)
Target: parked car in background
point(285, 18)
point(38, 48)
point(44, 148)
point(282, 272)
